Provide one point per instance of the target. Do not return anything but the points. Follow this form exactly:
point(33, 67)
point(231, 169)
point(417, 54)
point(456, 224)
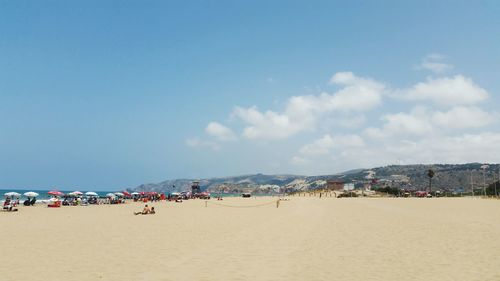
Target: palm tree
point(430, 174)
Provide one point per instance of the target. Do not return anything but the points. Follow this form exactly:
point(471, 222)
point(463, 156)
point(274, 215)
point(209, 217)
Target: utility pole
point(484, 167)
point(495, 182)
point(472, 184)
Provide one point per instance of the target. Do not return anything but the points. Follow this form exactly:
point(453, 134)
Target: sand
point(304, 239)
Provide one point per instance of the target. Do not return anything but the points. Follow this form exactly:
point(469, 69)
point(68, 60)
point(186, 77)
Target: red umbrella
point(56, 193)
point(126, 193)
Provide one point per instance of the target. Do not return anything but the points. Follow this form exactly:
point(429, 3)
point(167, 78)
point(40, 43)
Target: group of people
point(146, 211)
point(10, 205)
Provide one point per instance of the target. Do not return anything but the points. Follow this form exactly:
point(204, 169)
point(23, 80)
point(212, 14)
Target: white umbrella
point(12, 194)
point(119, 194)
point(110, 195)
point(77, 192)
point(90, 193)
point(30, 194)
point(135, 193)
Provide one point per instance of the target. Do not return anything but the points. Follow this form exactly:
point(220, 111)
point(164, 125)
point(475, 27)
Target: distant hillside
point(447, 176)
point(213, 184)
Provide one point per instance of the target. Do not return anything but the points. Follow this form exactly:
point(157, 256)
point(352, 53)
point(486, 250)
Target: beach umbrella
point(135, 193)
point(30, 194)
point(90, 193)
point(12, 194)
point(119, 194)
point(55, 192)
point(126, 193)
point(110, 195)
point(77, 192)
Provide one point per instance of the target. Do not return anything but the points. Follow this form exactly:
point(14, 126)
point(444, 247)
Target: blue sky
point(112, 94)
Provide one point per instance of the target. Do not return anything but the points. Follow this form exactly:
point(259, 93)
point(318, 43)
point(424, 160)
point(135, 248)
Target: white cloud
point(463, 117)
point(434, 63)
point(299, 161)
point(351, 121)
point(220, 132)
point(196, 142)
point(443, 124)
point(320, 146)
point(325, 144)
point(457, 90)
point(358, 94)
point(302, 112)
point(270, 124)
point(422, 121)
point(414, 123)
point(461, 148)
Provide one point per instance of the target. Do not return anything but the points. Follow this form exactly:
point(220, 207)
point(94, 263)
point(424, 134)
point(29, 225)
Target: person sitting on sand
point(152, 212)
point(145, 211)
point(9, 205)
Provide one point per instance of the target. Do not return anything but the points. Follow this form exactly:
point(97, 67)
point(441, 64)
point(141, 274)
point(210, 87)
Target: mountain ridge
point(413, 176)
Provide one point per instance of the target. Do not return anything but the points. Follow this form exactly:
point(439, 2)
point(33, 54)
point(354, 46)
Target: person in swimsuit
point(145, 211)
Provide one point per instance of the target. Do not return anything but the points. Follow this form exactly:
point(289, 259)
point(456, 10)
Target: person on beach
point(152, 212)
point(9, 205)
point(145, 211)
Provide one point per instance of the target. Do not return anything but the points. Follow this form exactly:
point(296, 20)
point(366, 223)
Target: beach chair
point(27, 202)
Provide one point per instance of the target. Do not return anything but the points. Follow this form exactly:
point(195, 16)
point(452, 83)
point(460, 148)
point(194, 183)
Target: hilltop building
point(336, 185)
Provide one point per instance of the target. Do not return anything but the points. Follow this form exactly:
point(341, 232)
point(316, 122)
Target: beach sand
point(303, 239)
